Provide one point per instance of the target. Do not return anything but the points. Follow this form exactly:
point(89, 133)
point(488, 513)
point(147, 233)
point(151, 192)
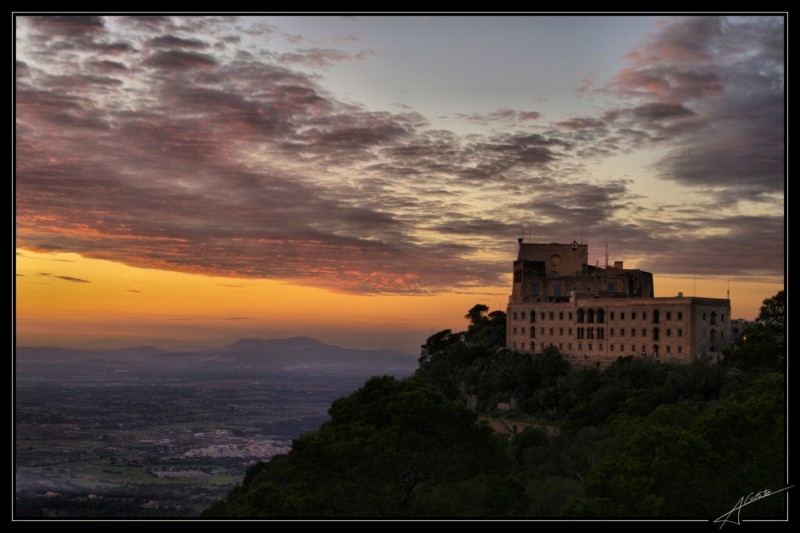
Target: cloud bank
point(164, 142)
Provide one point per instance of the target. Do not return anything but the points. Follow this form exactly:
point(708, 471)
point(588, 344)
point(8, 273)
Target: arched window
point(655, 334)
point(590, 316)
point(600, 316)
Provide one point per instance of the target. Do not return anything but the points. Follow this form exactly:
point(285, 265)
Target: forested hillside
point(640, 439)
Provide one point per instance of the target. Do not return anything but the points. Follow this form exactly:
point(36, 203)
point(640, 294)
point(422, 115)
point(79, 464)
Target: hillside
point(641, 439)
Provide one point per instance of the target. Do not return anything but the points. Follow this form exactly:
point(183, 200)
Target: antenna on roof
point(729, 288)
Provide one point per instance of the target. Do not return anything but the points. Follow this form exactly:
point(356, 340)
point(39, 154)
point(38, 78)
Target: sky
point(184, 180)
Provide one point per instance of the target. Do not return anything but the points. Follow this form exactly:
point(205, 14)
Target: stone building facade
point(594, 315)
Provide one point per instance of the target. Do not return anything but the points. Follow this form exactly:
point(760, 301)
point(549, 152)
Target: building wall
point(595, 315)
point(596, 331)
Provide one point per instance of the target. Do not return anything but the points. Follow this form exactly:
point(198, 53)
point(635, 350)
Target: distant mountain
point(297, 353)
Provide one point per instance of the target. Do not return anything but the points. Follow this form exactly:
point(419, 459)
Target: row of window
point(611, 348)
point(599, 333)
point(598, 315)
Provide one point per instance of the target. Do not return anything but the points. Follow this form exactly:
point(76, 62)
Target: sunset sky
point(364, 180)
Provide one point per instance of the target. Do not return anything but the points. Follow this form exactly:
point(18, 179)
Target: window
point(600, 347)
point(644, 332)
point(560, 331)
point(569, 346)
point(543, 315)
point(633, 332)
point(590, 332)
point(522, 330)
point(600, 316)
point(515, 331)
point(680, 332)
point(655, 351)
point(551, 331)
point(515, 315)
point(633, 315)
point(611, 348)
point(669, 315)
point(611, 332)
point(704, 316)
point(722, 317)
point(551, 315)
point(534, 292)
point(669, 332)
point(612, 315)
point(542, 331)
point(590, 316)
point(580, 346)
point(560, 346)
point(644, 349)
point(655, 334)
point(680, 315)
point(533, 344)
point(655, 316)
point(713, 317)
point(622, 315)
point(515, 345)
point(621, 332)
point(667, 349)
point(644, 315)
point(533, 317)
point(680, 349)
point(570, 315)
point(522, 315)
point(561, 315)
point(633, 348)
point(569, 332)
point(600, 333)
point(590, 347)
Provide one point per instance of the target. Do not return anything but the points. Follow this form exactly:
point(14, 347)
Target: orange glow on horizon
point(53, 306)
point(68, 300)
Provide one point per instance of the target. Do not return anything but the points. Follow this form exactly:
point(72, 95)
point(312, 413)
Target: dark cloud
point(108, 66)
point(318, 57)
point(134, 291)
point(72, 26)
point(70, 278)
point(172, 41)
point(178, 59)
point(580, 123)
point(714, 88)
point(499, 115)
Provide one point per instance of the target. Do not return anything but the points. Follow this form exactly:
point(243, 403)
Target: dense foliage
point(640, 439)
point(393, 448)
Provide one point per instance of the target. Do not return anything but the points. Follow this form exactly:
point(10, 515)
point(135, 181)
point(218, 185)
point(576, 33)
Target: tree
point(392, 448)
point(762, 346)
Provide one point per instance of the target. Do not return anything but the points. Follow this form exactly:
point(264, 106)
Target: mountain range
point(300, 353)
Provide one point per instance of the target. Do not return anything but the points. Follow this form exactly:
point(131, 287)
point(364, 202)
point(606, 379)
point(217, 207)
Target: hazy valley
point(149, 432)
